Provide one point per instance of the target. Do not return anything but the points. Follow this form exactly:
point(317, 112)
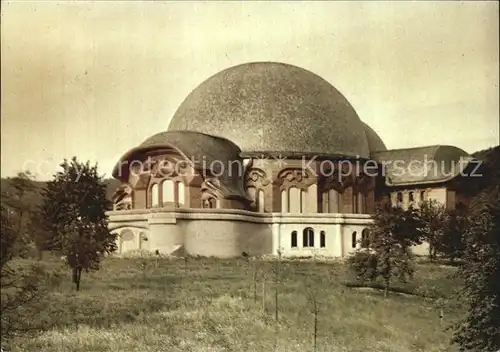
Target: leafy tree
point(394, 231)
point(451, 243)
point(23, 285)
point(480, 329)
point(19, 210)
point(74, 214)
point(432, 216)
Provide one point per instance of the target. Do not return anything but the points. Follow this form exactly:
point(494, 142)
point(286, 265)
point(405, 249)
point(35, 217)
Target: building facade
point(265, 158)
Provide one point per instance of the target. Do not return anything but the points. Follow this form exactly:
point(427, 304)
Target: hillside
point(35, 198)
point(207, 304)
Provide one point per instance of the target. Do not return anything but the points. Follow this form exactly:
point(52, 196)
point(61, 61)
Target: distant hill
point(35, 198)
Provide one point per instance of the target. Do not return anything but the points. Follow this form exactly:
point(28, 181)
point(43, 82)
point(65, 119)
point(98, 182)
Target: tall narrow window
point(294, 239)
point(260, 200)
point(284, 201)
point(180, 193)
point(411, 197)
point(154, 195)
point(308, 237)
point(422, 196)
point(333, 201)
point(399, 198)
point(322, 239)
point(294, 204)
point(360, 200)
point(326, 202)
point(167, 189)
point(303, 201)
point(354, 239)
point(365, 238)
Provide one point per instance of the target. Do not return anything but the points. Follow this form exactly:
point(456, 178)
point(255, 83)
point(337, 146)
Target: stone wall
point(229, 233)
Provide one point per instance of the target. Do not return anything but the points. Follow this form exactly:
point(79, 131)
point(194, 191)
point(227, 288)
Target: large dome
point(276, 108)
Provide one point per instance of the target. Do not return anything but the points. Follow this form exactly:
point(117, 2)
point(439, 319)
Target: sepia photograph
point(219, 176)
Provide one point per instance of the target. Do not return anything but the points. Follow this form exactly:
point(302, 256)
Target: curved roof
point(422, 165)
point(268, 107)
point(203, 150)
point(375, 143)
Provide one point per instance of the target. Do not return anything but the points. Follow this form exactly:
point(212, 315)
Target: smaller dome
point(375, 143)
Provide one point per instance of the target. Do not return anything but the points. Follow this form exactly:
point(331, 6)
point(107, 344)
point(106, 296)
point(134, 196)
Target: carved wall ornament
point(335, 179)
point(293, 175)
point(256, 177)
point(211, 188)
point(365, 182)
point(122, 198)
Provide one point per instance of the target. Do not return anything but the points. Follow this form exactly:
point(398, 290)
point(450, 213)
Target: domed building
point(266, 157)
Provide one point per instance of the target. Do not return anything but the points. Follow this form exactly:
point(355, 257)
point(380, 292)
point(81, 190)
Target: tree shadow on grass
point(408, 291)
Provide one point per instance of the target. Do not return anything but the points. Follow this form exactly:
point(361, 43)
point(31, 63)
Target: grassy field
point(229, 305)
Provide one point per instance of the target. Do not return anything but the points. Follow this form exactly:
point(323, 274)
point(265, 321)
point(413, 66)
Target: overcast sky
point(93, 79)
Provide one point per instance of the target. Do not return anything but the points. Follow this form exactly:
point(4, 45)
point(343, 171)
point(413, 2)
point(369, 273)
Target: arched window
point(294, 239)
point(354, 239)
point(167, 191)
point(322, 239)
point(308, 237)
point(260, 201)
point(155, 195)
point(411, 197)
point(365, 238)
point(180, 193)
point(399, 198)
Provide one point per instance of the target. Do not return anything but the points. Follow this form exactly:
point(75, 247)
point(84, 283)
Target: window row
point(333, 202)
point(365, 239)
point(411, 197)
point(308, 238)
point(166, 192)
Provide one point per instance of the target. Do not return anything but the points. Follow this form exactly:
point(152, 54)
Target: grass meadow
point(230, 305)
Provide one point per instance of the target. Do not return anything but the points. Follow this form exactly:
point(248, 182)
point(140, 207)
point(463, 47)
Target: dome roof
point(375, 143)
point(268, 107)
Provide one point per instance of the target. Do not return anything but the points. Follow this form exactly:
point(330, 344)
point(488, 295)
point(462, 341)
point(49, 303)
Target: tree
point(393, 232)
point(480, 329)
point(432, 216)
point(74, 214)
point(23, 286)
point(19, 210)
point(451, 243)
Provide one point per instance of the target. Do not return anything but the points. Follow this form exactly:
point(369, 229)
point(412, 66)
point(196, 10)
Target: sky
point(94, 79)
